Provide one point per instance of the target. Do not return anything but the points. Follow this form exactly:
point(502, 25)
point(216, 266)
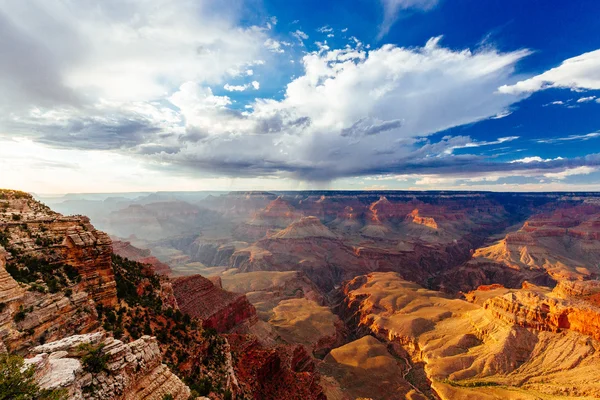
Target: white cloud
point(471, 144)
point(241, 88)
point(235, 88)
point(392, 8)
point(125, 52)
point(581, 72)
point(582, 170)
point(502, 114)
point(350, 112)
point(342, 87)
point(527, 160)
point(273, 46)
point(586, 99)
point(301, 36)
point(555, 103)
point(250, 72)
point(325, 29)
point(587, 136)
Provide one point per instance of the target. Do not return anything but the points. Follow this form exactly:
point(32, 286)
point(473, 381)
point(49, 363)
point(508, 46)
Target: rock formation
point(132, 371)
point(500, 341)
point(217, 308)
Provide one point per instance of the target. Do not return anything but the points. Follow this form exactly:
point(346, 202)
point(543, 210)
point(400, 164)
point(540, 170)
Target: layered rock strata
point(217, 308)
point(132, 371)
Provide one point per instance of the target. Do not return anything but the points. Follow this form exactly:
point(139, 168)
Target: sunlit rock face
point(532, 338)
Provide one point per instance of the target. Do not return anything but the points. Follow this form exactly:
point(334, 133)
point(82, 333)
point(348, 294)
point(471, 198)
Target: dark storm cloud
point(91, 133)
point(425, 158)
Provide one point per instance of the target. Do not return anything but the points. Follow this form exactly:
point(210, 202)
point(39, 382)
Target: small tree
point(94, 361)
point(17, 383)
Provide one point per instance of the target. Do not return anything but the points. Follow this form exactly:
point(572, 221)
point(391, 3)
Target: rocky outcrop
point(35, 232)
point(132, 371)
point(217, 308)
point(9, 288)
point(285, 372)
point(561, 245)
point(425, 221)
point(89, 251)
point(539, 309)
point(279, 213)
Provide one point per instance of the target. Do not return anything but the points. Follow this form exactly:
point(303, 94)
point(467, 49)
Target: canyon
point(309, 295)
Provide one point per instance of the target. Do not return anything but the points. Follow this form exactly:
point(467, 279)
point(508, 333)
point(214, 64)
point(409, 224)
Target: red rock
point(217, 308)
point(286, 372)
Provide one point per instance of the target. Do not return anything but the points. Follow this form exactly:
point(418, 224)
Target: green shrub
point(17, 383)
point(470, 384)
point(22, 313)
point(93, 361)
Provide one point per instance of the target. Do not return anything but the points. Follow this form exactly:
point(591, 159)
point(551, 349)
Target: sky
point(160, 95)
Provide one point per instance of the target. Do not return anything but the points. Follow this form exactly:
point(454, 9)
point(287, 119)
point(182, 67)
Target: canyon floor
point(339, 295)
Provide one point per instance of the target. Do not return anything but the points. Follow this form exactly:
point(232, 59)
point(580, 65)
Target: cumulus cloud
point(234, 88)
point(392, 9)
point(352, 105)
point(241, 88)
point(377, 106)
point(353, 111)
point(577, 73)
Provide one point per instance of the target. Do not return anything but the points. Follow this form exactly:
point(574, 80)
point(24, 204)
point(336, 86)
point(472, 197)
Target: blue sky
point(390, 94)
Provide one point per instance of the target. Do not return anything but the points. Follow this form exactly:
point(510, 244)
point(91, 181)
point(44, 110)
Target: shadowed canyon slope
point(387, 295)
